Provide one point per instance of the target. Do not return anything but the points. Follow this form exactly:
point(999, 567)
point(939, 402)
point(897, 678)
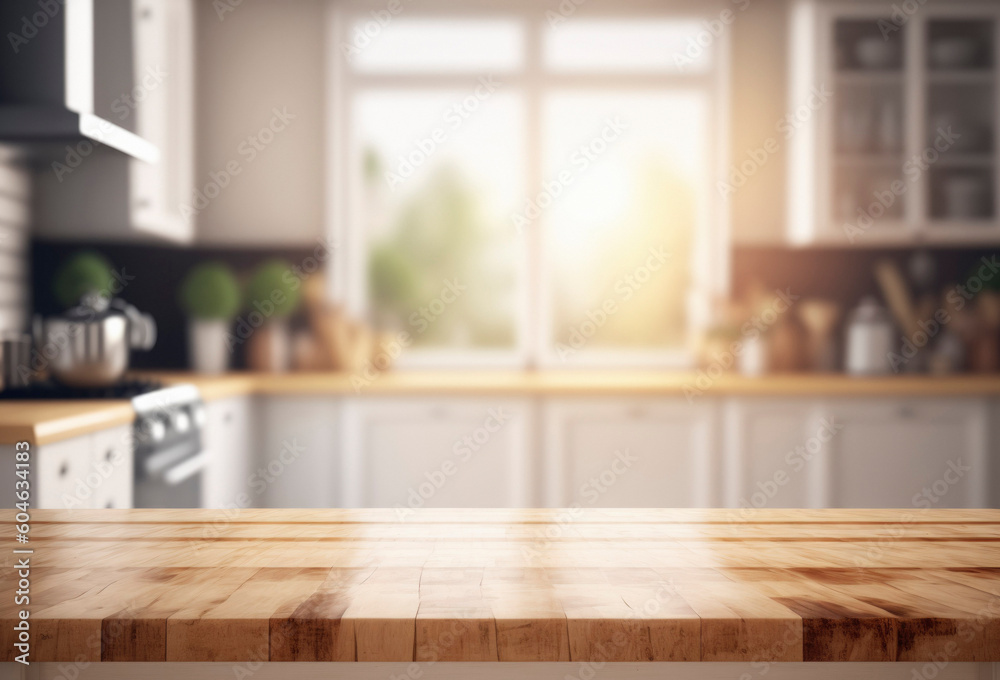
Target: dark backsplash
point(157, 272)
point(840, 274)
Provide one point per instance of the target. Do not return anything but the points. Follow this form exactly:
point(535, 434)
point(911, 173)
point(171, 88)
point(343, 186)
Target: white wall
point(260, 56)
point(265, 54)
point(15, 215)
point(759, 102)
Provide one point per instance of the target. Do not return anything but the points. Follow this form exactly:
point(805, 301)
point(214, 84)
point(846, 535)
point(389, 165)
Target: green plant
point(210, 291)
point(274, 284)
point(86, 271)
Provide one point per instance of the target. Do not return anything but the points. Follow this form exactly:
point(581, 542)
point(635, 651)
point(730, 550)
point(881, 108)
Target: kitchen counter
point(511, 585)
point(44, 422)
point(585, 383)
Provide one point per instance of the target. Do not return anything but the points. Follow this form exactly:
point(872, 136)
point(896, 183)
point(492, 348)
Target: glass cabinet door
point(959, 126)
point(868, 124)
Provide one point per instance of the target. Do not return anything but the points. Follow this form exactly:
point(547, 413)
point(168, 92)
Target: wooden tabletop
point(510, 585)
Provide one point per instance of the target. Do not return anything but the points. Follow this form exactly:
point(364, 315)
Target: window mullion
point(535, 291)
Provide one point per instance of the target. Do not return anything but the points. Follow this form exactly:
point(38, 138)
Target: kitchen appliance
point(870, 339)
point(49, 389)
point(89, 345)
point(15, 360)
point(169, 459)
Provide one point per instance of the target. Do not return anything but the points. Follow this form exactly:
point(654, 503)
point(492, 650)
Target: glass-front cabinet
point(898, 103)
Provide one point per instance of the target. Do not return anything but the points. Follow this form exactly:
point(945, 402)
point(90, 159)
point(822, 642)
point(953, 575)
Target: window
point(526, 188)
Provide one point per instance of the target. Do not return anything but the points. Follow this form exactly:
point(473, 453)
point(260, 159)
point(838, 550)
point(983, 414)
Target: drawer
point(111, 468)
point(60, 474)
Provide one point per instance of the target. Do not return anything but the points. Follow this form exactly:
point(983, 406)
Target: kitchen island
point(705, 593)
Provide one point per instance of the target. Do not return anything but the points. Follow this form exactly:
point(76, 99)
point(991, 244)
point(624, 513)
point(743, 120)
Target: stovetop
point(126, 389)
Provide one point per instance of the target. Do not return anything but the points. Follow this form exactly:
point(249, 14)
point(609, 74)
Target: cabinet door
point(460, 453)
point(298, 459)
point(228, 442)
point(631, 453)
point(164, 47)
point(775, 453)
point(60, 474)
point(923, 453)
point(112, 461)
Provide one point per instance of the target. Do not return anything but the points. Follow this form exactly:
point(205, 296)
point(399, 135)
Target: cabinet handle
point(907, 412)
point(63, 470)
point(109, 454)
point(109, 505)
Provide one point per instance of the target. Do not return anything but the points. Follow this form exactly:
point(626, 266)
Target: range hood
point(68, 64)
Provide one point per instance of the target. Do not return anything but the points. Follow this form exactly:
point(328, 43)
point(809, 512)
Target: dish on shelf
point(953, 52)
point(966, 196)
point(874, 53)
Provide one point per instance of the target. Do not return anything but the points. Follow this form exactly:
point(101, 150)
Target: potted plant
point(84, 272)
point(210, 296)
point(272, 295)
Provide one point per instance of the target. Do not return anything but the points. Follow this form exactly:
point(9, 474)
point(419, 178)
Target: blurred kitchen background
point(422, 253)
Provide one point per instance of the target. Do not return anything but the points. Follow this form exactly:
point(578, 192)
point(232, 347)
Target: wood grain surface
point(510, 585)
point(43, 422)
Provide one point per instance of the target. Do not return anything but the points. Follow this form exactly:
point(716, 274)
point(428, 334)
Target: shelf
point(874, 159)
point(966, 160)
point(869, 77)
point(961, 77)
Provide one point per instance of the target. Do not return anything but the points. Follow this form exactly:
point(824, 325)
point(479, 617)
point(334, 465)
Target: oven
point(169, 458)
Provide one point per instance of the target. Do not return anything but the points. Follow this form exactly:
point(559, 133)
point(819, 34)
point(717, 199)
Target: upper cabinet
point(142, 84)
point(897, 123)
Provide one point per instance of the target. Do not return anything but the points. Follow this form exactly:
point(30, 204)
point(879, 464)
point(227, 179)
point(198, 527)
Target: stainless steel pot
point(89, 345)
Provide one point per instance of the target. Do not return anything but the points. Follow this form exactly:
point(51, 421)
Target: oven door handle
point(186, 469)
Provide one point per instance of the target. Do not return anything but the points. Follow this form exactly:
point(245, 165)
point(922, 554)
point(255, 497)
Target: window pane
point(442, 171)
point(647, 45)
point(436, 45)
point(620, 230)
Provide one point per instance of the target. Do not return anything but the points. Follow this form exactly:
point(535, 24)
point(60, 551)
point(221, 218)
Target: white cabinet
point(299, 453)
point(150, 94)
point(164, 57)
point(892, 133)
point(90, 471)
point(775, 453)
point(412, 453)
point(920, 453)
point(113, 461)
point(631, 453)
point(228, 440)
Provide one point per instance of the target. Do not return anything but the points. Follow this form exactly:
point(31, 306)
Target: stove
point(125, 389)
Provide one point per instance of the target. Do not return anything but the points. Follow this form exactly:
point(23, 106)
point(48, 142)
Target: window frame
point(710, 253)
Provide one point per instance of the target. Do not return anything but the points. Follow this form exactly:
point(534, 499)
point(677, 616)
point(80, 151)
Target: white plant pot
point(207, 345)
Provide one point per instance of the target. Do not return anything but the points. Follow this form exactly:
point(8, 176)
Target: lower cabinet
point(920, 453)
point(413, 453)
point(89, 471)
point(298, 454)
point(229, 442)
point(739, 452)
point(775, 453)
point(631, 453)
